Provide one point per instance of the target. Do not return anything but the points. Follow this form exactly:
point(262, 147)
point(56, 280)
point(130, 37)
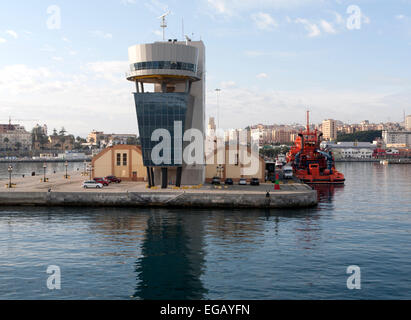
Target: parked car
point(92, 184)
point(243, 182)
point(255, 182)
point(229, 181)
point(113, 179)
point(216, 180)
point(103, 181)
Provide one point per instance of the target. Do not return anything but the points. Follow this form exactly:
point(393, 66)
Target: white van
point(288, 172)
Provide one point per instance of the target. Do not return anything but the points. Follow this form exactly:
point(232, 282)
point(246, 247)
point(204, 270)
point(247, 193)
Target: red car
point(103, 181)
point(113, 179)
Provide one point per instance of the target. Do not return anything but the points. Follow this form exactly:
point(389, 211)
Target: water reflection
point(172, 258)
point(326, 192)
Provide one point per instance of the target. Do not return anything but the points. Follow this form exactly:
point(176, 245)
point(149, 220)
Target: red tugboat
point(310, 164)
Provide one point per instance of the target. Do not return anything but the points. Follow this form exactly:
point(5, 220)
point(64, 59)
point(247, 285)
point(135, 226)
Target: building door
point(134, 176)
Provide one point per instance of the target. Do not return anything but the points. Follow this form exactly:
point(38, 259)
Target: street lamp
point(220, 170)
point(10, 170)
point(44, 172)
point(66, 165)
point(91, 170)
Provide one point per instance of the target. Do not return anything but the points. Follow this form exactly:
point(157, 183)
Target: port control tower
point(177, 71)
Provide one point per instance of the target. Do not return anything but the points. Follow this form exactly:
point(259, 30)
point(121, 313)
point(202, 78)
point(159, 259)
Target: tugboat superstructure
point(309, 162)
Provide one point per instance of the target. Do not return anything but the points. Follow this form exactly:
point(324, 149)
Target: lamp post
point(44, 172)
point(91, 170)
point(66, 165)
point(220, 170)
point(10, 170)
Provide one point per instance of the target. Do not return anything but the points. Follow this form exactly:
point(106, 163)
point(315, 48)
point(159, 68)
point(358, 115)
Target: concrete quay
point(68, 192)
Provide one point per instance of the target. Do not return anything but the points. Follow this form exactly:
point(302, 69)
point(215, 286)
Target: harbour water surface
point(219, 254)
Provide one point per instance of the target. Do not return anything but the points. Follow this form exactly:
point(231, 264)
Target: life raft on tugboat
point(311, 164)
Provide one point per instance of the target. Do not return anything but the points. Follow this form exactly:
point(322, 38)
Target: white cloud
point(339, 19)
point(2, 40)
point(158, 33)
point(70, 100)
point(101, 34)
point(66, 39)
point(262, 76)
point(109, 70)
point(399, 17)
point(327, 27)
point(12, 33)
point(312, 28)
point(58, 59)
point(264, 21)
point(228, 84)
point(235, 7)
point(73, 52)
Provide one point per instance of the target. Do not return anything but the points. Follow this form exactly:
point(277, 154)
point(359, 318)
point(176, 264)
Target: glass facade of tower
point(160, 111)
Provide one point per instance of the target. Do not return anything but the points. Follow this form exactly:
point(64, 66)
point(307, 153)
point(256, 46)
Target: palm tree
point(18, 145)
point(6, 141)
point(62, 132)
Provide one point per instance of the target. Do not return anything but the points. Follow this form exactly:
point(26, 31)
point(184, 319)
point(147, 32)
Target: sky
point(63, 63)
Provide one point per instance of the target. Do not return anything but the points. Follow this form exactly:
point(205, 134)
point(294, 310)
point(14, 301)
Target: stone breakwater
point(211, 199)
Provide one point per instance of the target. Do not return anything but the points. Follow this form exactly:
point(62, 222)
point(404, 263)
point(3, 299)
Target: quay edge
point(289, 199)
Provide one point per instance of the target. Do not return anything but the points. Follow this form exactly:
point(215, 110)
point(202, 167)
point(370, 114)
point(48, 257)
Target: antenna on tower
point(182, 28)
point(164, 23)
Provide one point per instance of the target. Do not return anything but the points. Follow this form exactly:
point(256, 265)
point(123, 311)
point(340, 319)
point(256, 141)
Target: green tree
point(132, 141)
point(360, 136)
point(62, 132)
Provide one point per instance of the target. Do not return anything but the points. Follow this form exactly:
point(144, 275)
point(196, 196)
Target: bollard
point(277, 183)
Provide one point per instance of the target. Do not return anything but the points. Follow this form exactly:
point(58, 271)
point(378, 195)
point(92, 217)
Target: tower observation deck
point(176, 69)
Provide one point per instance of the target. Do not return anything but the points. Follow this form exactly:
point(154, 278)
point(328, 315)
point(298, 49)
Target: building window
point(118, 159)
point(173, 65)
point(124, 159)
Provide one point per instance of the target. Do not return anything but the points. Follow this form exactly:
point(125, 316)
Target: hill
point(361, 136)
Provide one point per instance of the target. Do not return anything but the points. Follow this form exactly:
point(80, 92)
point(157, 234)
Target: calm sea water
point(219, 254)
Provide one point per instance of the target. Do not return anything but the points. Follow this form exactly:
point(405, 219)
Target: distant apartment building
point(408, 123)
point(99, 138)
point(211, 128)
point(351, 150)
point(281, 136)
point(397, 139)
point(329, 129)
point(95, 136)
point(258, 135)
point(367, 126)
point(14, 137)
point(58, 142)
